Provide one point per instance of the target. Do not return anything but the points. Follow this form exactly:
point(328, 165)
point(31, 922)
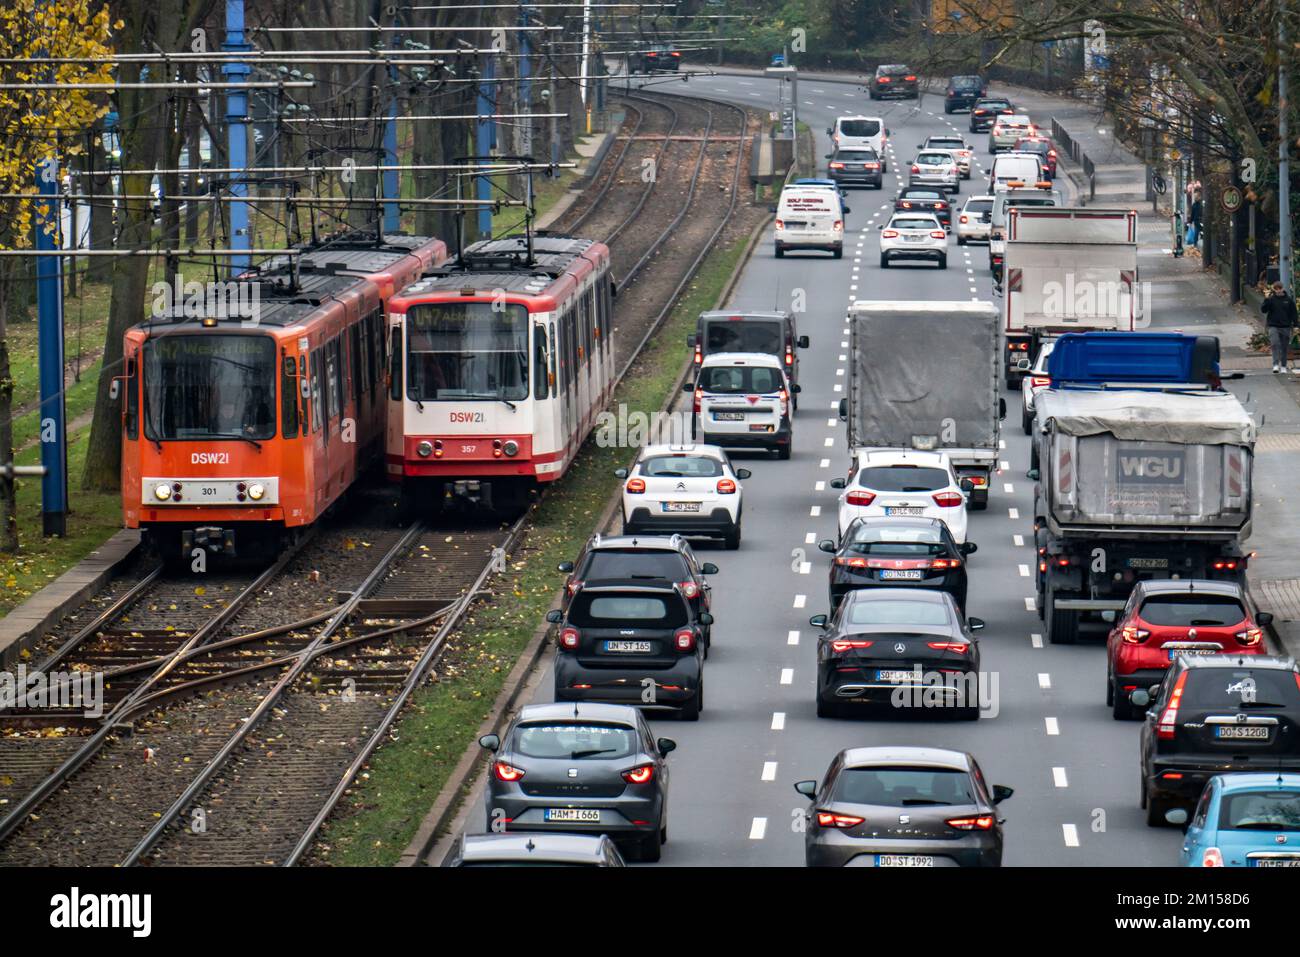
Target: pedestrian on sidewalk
point(1279, 310)
point(1194, 230)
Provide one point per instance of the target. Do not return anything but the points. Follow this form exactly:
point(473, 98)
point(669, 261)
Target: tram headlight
point(425, 449)
point(511, 447)
point(256, 491)
point(162, 492)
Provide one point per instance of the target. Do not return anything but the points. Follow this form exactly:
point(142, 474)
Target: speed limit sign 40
point(1231, 199)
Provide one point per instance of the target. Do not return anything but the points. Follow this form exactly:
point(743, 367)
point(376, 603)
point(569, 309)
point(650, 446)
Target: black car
point(636, 643)
point(929, 199)
point(590, 769)
point(962, 93)
point(894, 79)
point(855, 167)
point(888, 552)
point(657, 558)
point(1213, 714)
point(657, 59)
point(903, 807)
point(986, 111)
point(898, 648)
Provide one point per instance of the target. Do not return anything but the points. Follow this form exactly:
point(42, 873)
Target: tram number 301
point(466, 416)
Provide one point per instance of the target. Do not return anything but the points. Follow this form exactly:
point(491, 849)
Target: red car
point(1041, 145)
point(1165, 618)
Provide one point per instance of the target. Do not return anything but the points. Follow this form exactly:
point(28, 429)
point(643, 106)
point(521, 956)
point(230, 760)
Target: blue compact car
point(1243, 820)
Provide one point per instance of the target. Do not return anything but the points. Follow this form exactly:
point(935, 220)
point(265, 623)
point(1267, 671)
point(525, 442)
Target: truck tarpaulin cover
point(925, 368)
point(1205, 419)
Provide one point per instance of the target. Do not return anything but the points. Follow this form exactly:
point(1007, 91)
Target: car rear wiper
point(916, 802)
point(915, 488)
point(1265, 826)
point(593, 751)
point(1203, 622)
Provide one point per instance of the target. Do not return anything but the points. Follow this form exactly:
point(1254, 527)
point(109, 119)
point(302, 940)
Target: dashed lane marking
point(800, 600)
point(824, 464)
point(1071, 834)
point(819, 486)
point(1044, 681)
point(805, 568)
point(1053, 728)
point(787, 676)
point(1036, 640)
point(811, 537)
point(815, 511)
point(1024, 571)
point(1008, 488)
point(758, 829)
point(1018, 541)
point(769, 771)
point(1059, 779)
point(792, 638)
point(778, 720)
point(1029, 605)
point(1013, 513)
point(830, 440)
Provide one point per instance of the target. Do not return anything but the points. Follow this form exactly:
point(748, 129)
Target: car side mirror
point(688, 386)
point(745, 473)
point(1139, 698)
point(967, 485)
point(1177, 816)
point(827, 155)
point(1023, 365)
point(771, 209)
point(565, 567)
point(555, 616)
point(976, 624)
point(690, 341)
point(708, 568)
point(829, 131)
point(844, 409)
point(1002, 409)
point(818, 621)
point(490, 741)
point(969, 548)
point(847, 210)
point(666, 746)
point(796, 388)
point(705, 618)
point(803, 342)
point(620, 473)
point(1264, 618)
point(1033, 474)
point(1001, 792)
point(838, 483)
point(827, 545)
point(880, 227)
point(807, 788)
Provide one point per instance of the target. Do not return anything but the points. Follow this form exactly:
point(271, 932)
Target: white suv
point(1035, 381)
point(691, 490)
point(904, 482)
point(743, 400)
point(913, 236)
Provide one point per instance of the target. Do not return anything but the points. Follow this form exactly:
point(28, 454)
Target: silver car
point(536, 850)
point(975, 220)
point(935, 168)
point(903, 807)
point(580, 767)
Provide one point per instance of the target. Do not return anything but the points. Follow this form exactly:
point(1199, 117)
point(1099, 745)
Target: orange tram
point(240, 430)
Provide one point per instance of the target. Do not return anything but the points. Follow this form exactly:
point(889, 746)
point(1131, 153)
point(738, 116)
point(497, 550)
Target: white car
point(690, 490)
point(935, 168)
point(904, 482)
point(955, 145)
point(975, 220)
point(743, 400)
point(809, 217)
point(913, 236)
point(1007, 129)
point(1035, 381)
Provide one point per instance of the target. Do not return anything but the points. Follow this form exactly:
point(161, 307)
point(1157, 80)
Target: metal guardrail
point(1065, 141)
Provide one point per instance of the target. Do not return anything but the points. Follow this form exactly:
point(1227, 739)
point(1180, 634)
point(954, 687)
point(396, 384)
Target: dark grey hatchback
point(903, 807)
point(582, 768)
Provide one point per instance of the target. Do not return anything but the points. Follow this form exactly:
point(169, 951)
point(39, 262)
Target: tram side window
point(605, 311)
point(333, 393)
point(395, 365)
point(315, 391)
point(354, 346)
point(593, 340)
point(539, 362)
point(132, 386)
point(376, 350)
point(289, 397)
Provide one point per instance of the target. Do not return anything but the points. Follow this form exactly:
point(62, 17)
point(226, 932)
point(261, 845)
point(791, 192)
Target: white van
point(1015, 167)
point(857, 132)
point(810, 217)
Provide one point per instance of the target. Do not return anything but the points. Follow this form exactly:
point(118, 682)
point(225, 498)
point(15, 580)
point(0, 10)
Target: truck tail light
point(860, 498)
point(1169, 719)
point(780, 224)
point(838, 224)
point(635, 486)
point(948, 499)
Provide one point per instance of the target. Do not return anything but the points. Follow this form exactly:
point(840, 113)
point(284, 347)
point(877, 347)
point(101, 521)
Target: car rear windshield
point(885, 540)
point(743, 335)
point(740, 380)
point(947, 142)
point(869, 610)
point(1260, 811)
point(921, 194)
point(619, 611)
point(574, 742)
point(979, 206)
point(964, 83)
point(934, 159)
point(1034, 146)
point(902, 478)
point(903, 787)
point(859, 127)
point(1186, 611)
point(1234, 688)
point(630, 563)
point(682, 466)
point(914, 223)
point(993, 104)
point(857, 156)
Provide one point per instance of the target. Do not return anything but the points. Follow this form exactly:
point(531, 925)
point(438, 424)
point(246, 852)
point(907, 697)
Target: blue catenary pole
point(237, 133)
point(484, 141)
point(49, 304)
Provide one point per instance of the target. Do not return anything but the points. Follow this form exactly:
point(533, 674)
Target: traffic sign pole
point(49, 305)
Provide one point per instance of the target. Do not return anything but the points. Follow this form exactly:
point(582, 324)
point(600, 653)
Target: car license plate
point(1148, 563)
point(904, 510)
point(1175, 652)
point(582, 814)
point(635, 647)
point(729, 416)
point(913, 239)
point(1274, 862)
point(1234, 731)
point(895, 677)
point(892, 575)
point(681, 506)
point(904, 860)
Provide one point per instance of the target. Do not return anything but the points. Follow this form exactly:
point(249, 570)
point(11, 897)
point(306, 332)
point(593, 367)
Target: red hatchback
point(1043, 147)
point(1165, 618)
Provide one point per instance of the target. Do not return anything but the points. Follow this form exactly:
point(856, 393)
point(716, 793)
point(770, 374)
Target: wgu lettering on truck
point(209, 458)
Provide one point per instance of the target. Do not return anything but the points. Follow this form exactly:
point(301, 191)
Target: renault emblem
point(1191, 632)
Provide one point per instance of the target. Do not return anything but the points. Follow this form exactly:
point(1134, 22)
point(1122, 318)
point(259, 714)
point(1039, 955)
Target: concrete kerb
point(436, 836)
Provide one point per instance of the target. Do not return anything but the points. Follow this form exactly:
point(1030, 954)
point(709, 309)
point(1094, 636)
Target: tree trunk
point(8, 503)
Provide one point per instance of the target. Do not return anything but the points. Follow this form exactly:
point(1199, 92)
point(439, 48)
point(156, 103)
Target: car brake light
point(1250, 637)
point(838, 224)
point(939, 563)
point(883, 79)
point(726, 486)
point(909, 79)
point(889, 234)
point(978, 822)
point(1040, 380)
point(955, 646)
point(1212, 857)
point(699, 394)
point(641, 775)
point(635, 486)
point(964, 219)
point(915, 168)
point(573, 585)
point(780, 224)
point(830, 819)
point(851, 562)
point(689, 589)
point(1134, 635)
point(948, 499)
point(1220, 566)
point(837, 166)
point(848, 644)
point(789, 356)
point(569, 638)
point(1169, 720)
point(937, 234)
point(684, 640)
point(906, 204)
point(676, 53)
point(1052, 153)
point(940, 205)
point(859, 498)
point(506, 772)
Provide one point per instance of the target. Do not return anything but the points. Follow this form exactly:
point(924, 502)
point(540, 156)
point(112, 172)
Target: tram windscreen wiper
point(488, 395)
point(229, 435)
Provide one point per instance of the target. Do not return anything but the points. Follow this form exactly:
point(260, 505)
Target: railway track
point(230, 747)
